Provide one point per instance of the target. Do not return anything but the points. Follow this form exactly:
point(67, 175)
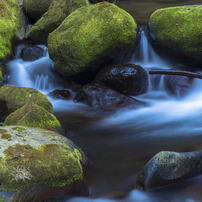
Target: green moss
point(6, 136)
point(2, 199)
point(57, 12)
point(36, 8)
point(1, 76)
point(88, 34)
point(32, 115)
point(3, 131)
point(50, 164)
point(18, 128)
point(179, 29)
point(10, 23)
point(17, 97)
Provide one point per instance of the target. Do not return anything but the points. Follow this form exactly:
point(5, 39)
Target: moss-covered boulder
point(57, 12)
point(176, 31)
point(32, 115)
point(92, 37)
point(10, 23)
point(36, 8)
point(13, 98)
point(166, 168)
point(38, 165)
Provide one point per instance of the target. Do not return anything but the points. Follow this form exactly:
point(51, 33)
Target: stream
point(119, 143)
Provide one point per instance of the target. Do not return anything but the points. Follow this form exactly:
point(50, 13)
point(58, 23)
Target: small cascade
point(145, 54)
point(43, 83)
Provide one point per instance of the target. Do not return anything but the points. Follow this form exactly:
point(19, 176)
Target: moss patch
point(50, 164)
point(178, 29)
point(6, 136)
point(16, 97)
point(10, 23)
point(32, 115)
point(90, 34)
point(57, 12)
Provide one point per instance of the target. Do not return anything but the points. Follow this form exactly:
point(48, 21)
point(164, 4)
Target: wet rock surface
point(166, 168)
point(178, 86)
point(31, 53)
point(128, 79)
point(100, 96)
point(60, 94)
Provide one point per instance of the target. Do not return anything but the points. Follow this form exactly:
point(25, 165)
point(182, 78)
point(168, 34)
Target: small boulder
point(52, 19)
point(36, 8)
point(32, 115)
point(166, 168)
point(31, 53)
point(90, 38)
point(60, 94)
point(128, 79)
point(40, 165)
point(100, 96)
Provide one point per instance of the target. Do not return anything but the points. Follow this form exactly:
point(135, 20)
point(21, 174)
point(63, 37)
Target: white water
point(164, 117)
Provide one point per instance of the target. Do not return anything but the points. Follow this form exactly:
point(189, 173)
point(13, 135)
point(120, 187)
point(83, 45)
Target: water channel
point(119, 143)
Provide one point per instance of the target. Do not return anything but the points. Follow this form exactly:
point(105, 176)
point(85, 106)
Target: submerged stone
point(178, 86)
point(90, 38)
point(166, 168)
point(52, 19)
point(129, 79)
point(38, 165)
point(31, 53)
point(176, 31)
point(100, 96)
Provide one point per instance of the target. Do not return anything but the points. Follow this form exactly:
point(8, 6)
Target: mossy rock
point(92, 37)
point(57, 12)
point(167, 168)
point(36, 8)
point(39, 164)
point(10, 23)
point(1, 76)
point(16, 97)
point(32, 115)
point(176, 31)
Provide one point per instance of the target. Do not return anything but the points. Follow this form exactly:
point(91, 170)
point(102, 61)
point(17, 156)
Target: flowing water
point(119, 143)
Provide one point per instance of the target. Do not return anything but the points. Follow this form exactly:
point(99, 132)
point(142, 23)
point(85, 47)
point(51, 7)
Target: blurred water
point(119, 143)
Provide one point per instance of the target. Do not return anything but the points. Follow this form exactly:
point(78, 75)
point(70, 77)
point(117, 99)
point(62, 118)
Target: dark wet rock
point(178, 86)
point(91, 38)
point(52, 165)
point(166, 168)
point(31, 53)
point(60, 94)
point(128, 79)
point(75, 87)
point(100, 96)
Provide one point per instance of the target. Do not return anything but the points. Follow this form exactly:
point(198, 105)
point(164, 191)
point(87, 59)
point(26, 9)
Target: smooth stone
point(167, 168)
